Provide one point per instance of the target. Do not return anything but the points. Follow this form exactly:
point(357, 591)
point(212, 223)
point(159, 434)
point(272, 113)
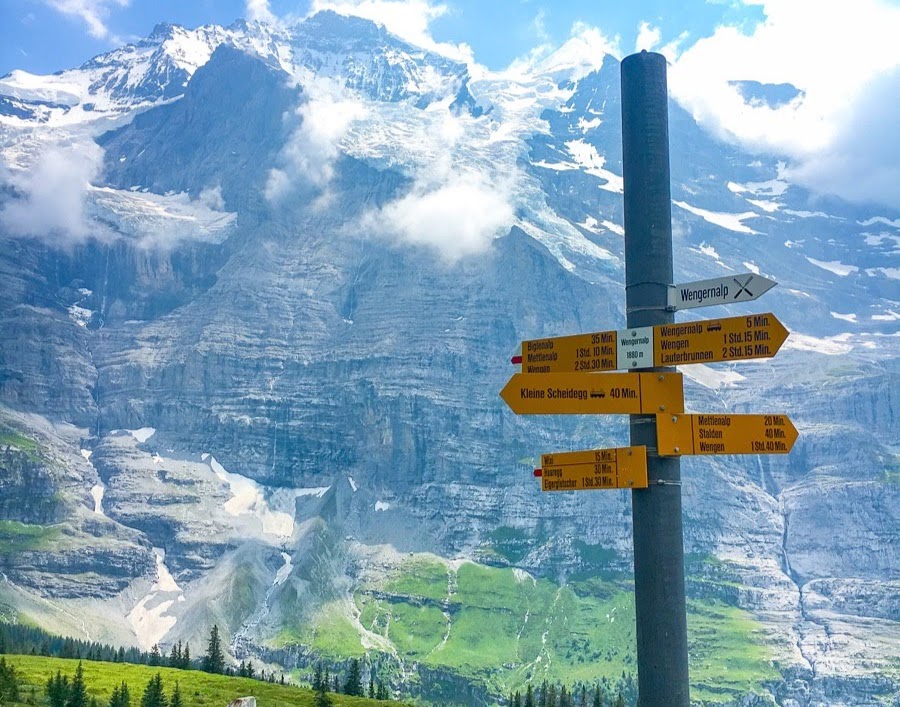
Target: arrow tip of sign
point(538, 473)
point(516, 360)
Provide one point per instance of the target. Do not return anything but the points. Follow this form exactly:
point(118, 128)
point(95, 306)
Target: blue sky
point(39, 37)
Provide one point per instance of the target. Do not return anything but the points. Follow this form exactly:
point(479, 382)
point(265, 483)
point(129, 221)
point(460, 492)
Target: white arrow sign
point(722, 290)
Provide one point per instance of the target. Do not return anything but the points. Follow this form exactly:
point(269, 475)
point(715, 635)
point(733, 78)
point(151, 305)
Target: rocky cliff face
point(272, 418)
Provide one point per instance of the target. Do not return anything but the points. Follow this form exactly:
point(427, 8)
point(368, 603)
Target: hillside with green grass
point(502, 629)
point(198, 689)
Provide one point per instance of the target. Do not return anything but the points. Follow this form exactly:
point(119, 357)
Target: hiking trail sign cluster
point(570, 375)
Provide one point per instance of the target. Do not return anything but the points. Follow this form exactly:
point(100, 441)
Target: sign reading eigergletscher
point(595, 469)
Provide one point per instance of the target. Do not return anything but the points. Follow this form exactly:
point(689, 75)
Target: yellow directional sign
point(581, 353)
point(707, 341)
point(598, 394)
point(712, 340)
point(619, 468)
point(724, 434)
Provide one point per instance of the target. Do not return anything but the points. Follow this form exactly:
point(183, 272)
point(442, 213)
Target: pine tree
point(250, 670)
point(517, 700)
point(598, 698)
point(125, 695)
point(322, 699)
point(529, 696)
point(154, 696)
point(155, 657)
point(186, 657)
point(58, 690)
point(317, 677)
point(353, 684)
point(176, 700)
point(336, 688)
point(371, 692)
point(381, 692)
point(214, 660)
point(9, 682)
point(175, 655)
point(620, 700)
point(551, 696)
point(584, 697)
point(77, 691)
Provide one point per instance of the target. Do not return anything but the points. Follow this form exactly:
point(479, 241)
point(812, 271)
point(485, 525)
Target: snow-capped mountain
point(251, 378)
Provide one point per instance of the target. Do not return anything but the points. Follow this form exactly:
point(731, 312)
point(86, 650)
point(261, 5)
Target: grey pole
point(656, 511)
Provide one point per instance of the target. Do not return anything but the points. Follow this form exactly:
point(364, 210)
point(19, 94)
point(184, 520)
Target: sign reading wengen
point(706, 341)
point(724, 434)
point(619, 468)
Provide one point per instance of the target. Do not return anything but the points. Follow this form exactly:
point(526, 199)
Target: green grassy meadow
point(198, 689)
point(504, 629)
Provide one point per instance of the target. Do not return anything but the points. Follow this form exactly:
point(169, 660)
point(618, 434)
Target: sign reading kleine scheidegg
point(721, 290)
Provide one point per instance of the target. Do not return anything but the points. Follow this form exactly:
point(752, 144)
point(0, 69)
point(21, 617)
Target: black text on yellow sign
point(594, 393)
point(724, 434)
point(707, 341)
point(595, 469)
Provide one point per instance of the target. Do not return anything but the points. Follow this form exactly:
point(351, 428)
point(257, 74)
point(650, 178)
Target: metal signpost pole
point(658, 543)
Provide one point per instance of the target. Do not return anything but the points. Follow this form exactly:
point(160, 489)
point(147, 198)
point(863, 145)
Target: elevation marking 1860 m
point(704, 341)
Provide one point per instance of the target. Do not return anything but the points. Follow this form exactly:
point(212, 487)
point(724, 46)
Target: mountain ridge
point(312, 391)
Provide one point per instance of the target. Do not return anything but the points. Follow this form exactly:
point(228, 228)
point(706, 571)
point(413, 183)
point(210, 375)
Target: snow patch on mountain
point(829, 345)
point(712, 378)
point(732, 222)
point(844, 317)
point(835, 266)
point(889, 273)
point(284, 571)
point(881, 219)
point(247, 498)
point(97, 493)
point(149, 618)
point(770, 187)
point(271, 511)
point(142, 434)
point(592, 162)
point(162, 221)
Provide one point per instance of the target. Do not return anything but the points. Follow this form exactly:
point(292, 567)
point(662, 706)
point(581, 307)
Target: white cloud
point(539, 26)
point(457, 218)
point(311, 151)
point(449, 209)
point(833, 52)
point(647, 38)
point(92, 12)
point(862, 163)
point(408, 19)
point(260, 11)
point(579, 55)
point(49, 201)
